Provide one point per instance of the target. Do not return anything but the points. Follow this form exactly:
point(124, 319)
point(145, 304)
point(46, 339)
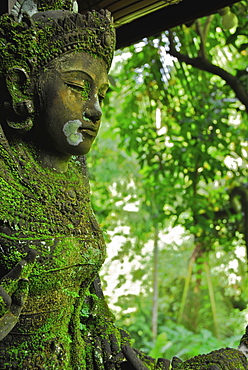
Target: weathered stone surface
point(53, 77)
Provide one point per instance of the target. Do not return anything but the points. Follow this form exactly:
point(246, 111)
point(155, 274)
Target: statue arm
point(14, 292)
point(111, 345)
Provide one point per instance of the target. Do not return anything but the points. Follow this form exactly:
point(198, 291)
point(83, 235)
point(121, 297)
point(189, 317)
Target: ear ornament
point(19, 116)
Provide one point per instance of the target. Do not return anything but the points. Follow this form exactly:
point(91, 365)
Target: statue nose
point(93, 111)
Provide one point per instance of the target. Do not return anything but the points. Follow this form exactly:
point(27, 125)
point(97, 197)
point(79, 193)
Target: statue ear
point(17, 80)
point(19, 110)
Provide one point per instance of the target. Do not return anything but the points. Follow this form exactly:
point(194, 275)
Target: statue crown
point(35, 41)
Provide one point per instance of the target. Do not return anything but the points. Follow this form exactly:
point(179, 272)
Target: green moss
point(51, 213)
point(85, 92)
point(31, 45)
point(55, 4)
point(3, 307)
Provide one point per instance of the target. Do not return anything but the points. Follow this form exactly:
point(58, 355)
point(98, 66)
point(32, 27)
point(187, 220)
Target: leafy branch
point(202, 62)
point(203, 33)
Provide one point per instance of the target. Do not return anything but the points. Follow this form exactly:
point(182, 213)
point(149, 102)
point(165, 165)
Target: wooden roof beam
point(173, 15)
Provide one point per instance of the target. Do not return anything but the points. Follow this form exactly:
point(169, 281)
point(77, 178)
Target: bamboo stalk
point(186, 288)
point(212, 299)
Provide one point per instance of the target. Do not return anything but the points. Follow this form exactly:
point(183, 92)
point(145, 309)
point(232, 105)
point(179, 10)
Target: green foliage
point(175, 340)
point(176, 154)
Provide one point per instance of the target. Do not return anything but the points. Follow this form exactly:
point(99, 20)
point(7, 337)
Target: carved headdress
point(30, 38)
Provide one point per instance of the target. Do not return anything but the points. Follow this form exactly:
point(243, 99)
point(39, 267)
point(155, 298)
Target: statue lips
point(89, 130)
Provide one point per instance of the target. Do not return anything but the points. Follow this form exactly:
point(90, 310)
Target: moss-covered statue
point(53, 78)
point(53, 68)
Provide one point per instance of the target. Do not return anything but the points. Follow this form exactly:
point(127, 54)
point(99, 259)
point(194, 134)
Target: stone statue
point(53, 78)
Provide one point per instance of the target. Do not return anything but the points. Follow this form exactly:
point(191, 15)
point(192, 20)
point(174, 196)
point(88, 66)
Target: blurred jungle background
point(170, 190)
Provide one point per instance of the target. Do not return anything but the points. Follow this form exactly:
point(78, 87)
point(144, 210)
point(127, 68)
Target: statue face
point(72, 89)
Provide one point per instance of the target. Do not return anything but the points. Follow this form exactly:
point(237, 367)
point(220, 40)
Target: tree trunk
point(155, 286)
